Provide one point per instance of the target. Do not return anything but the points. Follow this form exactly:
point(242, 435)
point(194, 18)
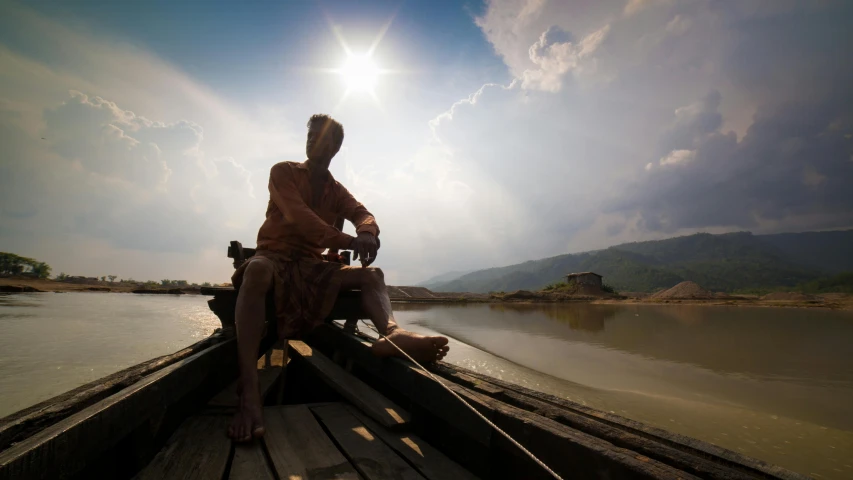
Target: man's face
point(319, 142)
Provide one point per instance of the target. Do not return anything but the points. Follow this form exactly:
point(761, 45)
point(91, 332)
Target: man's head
point(325, 137)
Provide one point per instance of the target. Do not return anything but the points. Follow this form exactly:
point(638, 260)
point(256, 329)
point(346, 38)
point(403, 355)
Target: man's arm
point(333, 255)
point(286, 197)
point(366, 245)
point(352, 210)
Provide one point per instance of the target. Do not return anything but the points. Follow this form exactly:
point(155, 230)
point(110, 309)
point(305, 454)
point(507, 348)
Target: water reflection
point(773, 383)
point(590, 318)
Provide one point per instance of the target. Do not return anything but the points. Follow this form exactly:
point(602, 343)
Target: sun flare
point(360, 73)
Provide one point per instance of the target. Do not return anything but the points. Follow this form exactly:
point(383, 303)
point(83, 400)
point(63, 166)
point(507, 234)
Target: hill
point(727, 262)
point(443, 278)
point(826, 251)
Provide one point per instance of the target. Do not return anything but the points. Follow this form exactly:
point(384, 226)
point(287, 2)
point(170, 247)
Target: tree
point(62, 276)
point(11, 264)
point(112, 278)
point(205, 284)
point(41, 270)
point(103, 278)
point(165, 282)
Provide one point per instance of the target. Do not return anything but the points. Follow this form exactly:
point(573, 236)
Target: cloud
point(792, 165)
point(695, 116)
point(507, 23)
point(617, 124)
point(111, 146)
point(676, 157)
point(679, 25)
point(555, 58)
point(634, 6)
point(104, 139)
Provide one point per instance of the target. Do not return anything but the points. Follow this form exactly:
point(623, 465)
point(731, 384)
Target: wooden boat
point(334, 411)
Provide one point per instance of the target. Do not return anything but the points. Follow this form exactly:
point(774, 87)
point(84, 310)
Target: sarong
point(304, 288)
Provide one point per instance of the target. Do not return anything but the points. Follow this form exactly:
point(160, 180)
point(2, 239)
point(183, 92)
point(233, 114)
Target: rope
point(464, 402)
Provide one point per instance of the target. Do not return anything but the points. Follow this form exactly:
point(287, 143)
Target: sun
point(360, 73)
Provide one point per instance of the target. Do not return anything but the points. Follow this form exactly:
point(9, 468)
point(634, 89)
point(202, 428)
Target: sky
point(137, 137)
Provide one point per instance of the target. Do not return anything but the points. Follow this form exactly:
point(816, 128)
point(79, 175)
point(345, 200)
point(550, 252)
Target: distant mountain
point(725, 262)
point(443, 278)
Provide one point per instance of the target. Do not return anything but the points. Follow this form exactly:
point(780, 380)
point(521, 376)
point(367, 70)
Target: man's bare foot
point(421, 348)
point(248, 422)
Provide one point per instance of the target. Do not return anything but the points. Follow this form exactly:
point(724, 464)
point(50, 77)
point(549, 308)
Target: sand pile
point(684, 290)
point(522, 295)
point(788, 296)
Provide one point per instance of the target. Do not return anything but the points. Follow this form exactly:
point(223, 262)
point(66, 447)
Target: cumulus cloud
point(677, 157)
point(82, 163)
point(104, 139)
point(791, 164)
point(734, 114)
point(554, 55)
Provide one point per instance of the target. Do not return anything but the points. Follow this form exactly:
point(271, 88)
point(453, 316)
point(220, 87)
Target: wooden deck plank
point(250, 463)
point(197, 450)
point(370, 455)
point(431, 463)
point(299, 448)
point(228, 398)
point(403, 377)
point(371, 402)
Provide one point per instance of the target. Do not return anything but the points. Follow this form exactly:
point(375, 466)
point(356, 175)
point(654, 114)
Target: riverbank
point(832, 301)
point(25, 285)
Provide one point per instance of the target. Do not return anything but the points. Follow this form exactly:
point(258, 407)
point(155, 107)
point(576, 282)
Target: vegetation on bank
point(11, 264)
point(16, 265)
point(111, 279)
point(841, 283)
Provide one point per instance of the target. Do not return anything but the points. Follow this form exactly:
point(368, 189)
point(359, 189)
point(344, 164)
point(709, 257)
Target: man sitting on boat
point(305, 201)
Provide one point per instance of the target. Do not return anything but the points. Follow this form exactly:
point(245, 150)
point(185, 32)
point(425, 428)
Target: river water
point(776, 384)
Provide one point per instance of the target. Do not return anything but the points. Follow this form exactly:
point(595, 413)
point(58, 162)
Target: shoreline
point(830, 301)
point(34, 285)
point(841, 303)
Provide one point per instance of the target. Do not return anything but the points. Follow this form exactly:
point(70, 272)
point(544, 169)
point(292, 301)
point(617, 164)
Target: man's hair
point(330, 126)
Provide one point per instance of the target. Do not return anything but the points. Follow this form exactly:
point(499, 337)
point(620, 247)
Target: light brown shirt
point(293, 225)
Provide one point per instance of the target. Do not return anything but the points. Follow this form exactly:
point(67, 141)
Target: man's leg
point(377, 305)
point(257, 280)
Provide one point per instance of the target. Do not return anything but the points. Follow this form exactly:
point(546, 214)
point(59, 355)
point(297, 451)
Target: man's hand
point(366, 247)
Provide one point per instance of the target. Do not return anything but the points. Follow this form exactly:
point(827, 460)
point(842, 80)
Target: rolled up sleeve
point(352, 210)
